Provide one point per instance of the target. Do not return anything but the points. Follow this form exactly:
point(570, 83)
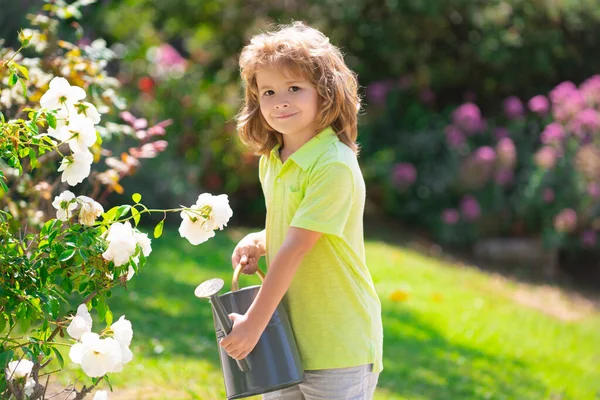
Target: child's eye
point(268, 93)
point(294, 88)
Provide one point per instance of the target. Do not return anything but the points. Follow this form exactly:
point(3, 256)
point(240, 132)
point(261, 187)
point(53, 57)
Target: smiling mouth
point(285, 116)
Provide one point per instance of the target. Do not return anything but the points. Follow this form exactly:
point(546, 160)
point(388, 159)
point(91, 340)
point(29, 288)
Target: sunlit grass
point(456, 333)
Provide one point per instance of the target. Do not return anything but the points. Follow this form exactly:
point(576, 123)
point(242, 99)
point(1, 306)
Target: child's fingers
point(239, 256)
point(251, 267)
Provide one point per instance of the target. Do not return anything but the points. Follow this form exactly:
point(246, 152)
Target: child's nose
point(281, 105)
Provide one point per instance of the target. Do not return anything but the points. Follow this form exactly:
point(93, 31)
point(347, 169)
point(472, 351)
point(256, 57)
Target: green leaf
point(12, 79)
point(102, 308)
point(122, 211)
point(2, 183)
point(23, 86)
point(59, 357)
point(158, 229)
point(136, 215)
point(110, 214)
point(33, 159)
point(51, 120)
point(108, 316)
point(66, 255)
point(23, 70)
point(5, 357)
point(67, 285)
point(136, 197)
point(2, 322)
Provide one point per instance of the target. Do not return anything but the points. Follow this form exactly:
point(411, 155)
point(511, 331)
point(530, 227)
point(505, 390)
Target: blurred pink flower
point(140, 123)
point(593, 189)
point(468, 118)
point(149, 150)
point(539, 104)
point(377, 91)
point(454, 136)
point(562, 91)
point(569, 105)
point(504, 177)
point(469, 207)
point(553, 133)
point(485, 154)
point(159, 129)
point(167, 55)
point(404, 174)
point(450, 216)
point(565, 221)
point(507, 152)
point(586, 121)
point(590, 89)
point(501, 133)
point(513, 108)
point(127, 117)
point(548, 195)
point(546, 157)
point(588, 238)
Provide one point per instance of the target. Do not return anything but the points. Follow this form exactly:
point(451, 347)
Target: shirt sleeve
point(328, 200)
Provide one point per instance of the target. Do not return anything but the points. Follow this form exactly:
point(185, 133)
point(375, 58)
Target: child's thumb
point(244, 259)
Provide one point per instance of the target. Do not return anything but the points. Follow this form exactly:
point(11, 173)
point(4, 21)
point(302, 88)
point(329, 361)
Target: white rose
point(64, 203)
point(29, 387)
point(81, 323)
point(121, 243)
point(123, 333)
point(144, 241)
point(80, 133)
point(18, 369)
point(100, 395)
point(76, 168)
point(220, 211)
point(97, 356)
point(90, 210)
point(61, 92)
point(87, 110)
point(193, 227)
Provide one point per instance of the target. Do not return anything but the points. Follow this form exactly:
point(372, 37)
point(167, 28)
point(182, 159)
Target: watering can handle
point(236, 275)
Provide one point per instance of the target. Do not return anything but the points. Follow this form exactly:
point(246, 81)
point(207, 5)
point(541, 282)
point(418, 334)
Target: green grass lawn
point(453, 332)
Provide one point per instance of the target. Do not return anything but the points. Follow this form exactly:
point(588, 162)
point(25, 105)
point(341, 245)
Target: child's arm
point(248, 328)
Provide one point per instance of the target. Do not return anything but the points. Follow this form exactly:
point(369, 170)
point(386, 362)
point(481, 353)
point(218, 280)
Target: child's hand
point(248, 251)
point(243, 337)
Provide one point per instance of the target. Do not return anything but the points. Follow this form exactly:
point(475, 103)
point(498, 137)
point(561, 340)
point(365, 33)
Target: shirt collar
point(306, 155)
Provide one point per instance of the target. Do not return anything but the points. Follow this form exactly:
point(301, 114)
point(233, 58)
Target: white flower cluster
point(21, 369)
point(75, 125)
point(122, 244)
point(66, 203)
point(203, 218)
point(99, 355)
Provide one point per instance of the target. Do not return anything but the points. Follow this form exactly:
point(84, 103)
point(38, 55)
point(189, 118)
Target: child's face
point(287, 102)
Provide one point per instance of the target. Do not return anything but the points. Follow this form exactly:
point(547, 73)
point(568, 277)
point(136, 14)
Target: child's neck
point(291, 144)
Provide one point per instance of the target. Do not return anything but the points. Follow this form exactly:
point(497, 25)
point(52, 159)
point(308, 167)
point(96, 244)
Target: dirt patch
point(551, 300)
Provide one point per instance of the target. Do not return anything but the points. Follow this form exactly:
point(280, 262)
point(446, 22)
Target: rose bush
point(60, 249)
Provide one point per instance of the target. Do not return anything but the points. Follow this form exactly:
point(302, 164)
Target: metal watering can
point(274, 363)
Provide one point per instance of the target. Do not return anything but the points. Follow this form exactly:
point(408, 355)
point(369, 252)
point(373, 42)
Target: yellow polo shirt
point(334, 309)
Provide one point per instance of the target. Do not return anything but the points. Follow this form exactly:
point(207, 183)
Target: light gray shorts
point(354, 383)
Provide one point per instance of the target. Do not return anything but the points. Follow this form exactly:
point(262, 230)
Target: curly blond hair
point(299, 49)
